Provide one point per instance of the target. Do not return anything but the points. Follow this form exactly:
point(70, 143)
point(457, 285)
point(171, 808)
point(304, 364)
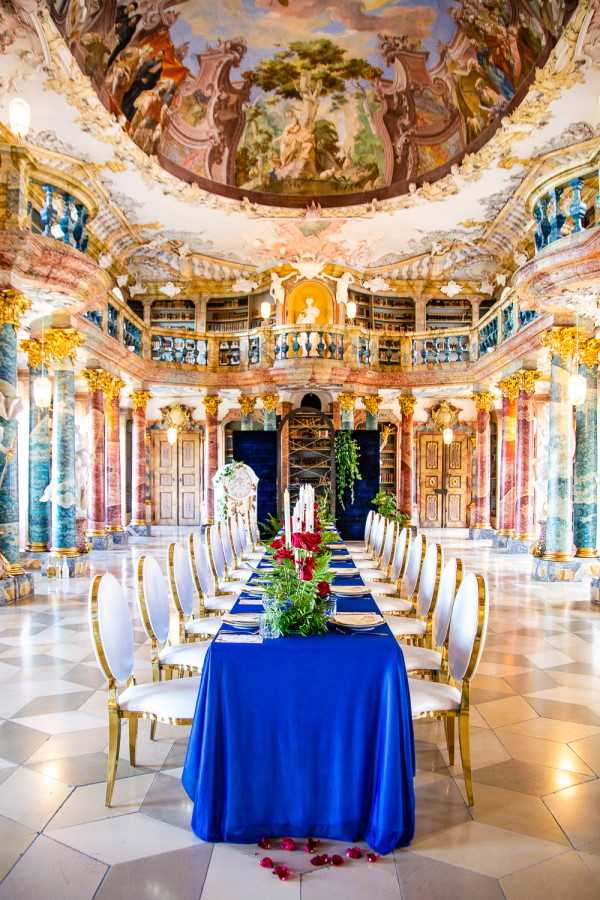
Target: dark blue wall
point(351, 520)
point(258, 449)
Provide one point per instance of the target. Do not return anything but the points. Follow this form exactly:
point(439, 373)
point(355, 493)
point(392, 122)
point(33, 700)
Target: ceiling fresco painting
point(286, 102)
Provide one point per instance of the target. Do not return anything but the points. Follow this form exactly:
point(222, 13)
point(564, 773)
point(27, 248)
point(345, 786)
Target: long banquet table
point(304, 736)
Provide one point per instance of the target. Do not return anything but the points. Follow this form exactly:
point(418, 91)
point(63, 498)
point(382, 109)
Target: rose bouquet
point(296, 596)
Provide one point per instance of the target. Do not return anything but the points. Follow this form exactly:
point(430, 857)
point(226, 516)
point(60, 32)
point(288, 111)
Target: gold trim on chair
point(185, 637)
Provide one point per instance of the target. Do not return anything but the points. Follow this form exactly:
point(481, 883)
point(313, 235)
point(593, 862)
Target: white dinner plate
point(351, 590)
point(241, 620)
point(357, 620)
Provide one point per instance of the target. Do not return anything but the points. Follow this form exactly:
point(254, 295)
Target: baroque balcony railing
point(567, 206)
point(60, 216)
point(305, 344)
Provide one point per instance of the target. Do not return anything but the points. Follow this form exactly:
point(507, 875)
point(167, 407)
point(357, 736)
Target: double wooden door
point(177, 479)
point(443, 480)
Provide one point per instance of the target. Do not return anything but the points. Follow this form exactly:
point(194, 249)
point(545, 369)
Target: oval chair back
point(181, 584)
point(254, 530)
point(414, 564)
point(429, 583)
point(450, 581)
point(387, 551)
point(236, 537)
point(226, 545)
point(399, 557)
point(372, 532)
point(379, 537)
point(153, 600)
point(468, 626)
point(111, 629)
point(215, 549)
point(200, 568)
point(368, 524)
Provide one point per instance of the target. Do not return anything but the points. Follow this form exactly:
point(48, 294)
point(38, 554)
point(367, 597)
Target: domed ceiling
point(289, 102)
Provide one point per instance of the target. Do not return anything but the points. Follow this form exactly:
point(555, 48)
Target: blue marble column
point(9, 496)
point(586, 467)
point(64, 533)
point(559, 528)
point(371, 403)
point(269, 403)
point(39, 469)
point(346, 401)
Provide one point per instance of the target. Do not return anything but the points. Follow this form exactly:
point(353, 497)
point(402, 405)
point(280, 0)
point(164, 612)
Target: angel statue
point(276, 290)
point(342, 285)
point(309, 314)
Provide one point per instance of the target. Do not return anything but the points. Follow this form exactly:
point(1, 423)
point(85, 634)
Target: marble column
point(97, 534)
point(12, 307)
point(557, 563)
point(284, 452)
point(506, 491)
point(407, 405)
point(138, 524)
point(484, 403)
point(371, 403)
point(585, 492)
point(114, 517)
point(247, 406)
point(347, 401)
point(524, 536)
point(39, 457)
point(211, 410)
point(269, 403)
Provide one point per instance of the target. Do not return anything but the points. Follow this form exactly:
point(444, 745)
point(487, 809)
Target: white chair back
point(430, 580)
point(111, 628)
point(181, 583)
point(373, 531)
point(402, 539)
point(153, 599)
point(215, 546)
point(388, 545)
point(254, 529)
point(199, 564)
point(412, 574)
point(236, 537)
point(468, 627)
point(227, 545)
point(368, 524)
point(379, 536)
point(450, 581)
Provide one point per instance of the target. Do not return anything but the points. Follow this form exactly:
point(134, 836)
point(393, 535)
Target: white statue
point(310, 313)
point(342, 285)
point(276, 290)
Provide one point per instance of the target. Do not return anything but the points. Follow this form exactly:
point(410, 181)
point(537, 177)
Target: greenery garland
point(347, 469)
point(385, 504)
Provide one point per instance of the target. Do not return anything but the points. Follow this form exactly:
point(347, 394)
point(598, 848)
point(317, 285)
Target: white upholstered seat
point(393, 605)
point(405, 625)
point(432, 696)
point(189, 656)
point(203, 625)
point(185, 598)
point(421, 659)
point(175, 700)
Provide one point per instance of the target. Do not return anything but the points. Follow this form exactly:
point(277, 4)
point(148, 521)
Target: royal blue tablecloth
point(304, 737)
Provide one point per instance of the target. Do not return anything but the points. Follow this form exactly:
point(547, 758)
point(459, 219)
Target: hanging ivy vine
point(347, 468)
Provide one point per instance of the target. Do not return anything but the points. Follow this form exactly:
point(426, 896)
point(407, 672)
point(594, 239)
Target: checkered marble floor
point(534, 831)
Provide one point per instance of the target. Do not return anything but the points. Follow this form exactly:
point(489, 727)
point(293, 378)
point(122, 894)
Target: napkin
point(250, 601)
point(231, 637)
point(350, 589)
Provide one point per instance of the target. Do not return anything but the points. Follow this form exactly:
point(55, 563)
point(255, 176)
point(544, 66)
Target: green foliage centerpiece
point(296, 597)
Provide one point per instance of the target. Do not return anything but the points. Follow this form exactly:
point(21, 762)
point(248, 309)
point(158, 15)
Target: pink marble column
point(525, 506)
point(506, 492)
point(407, 405)
point(484, 402)
point(96, 478)
point(114, 519)
point(138, 524)
point(211, 449)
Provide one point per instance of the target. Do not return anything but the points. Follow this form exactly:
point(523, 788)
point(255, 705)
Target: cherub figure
point(277, 290)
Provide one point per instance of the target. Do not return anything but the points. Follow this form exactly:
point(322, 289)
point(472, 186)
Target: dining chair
point(171, 702)
point(204, 581)
point(397, 567)
point(417, 624)
point(249, 553)
point(257, 543)
point(377, 537)
point(448, 699)
point(360, 550)
point(233, 572)
point(382, 571)
point(357, 546)
point(185, 596)
point(218, 565)
point(430, 661)
point(402, 603)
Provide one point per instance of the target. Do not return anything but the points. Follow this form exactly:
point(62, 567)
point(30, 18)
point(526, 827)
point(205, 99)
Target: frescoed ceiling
point(335, 100)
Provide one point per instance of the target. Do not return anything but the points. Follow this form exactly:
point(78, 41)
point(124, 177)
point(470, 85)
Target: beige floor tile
point(514, 811)
point(491, 683)
point(486, 849)
point(60, 746)
point(552, 730)
point(423, 878)
point(576, 696)
point(564, 878)
point(506, 711)
point(547, 659)
point(528, 778)
point(53, 872)
point(555, 754)
point(577, 811)
point(234, 873)
point(500, 670)
point(355, 880)
point(486, 750)
point(14, 840)
point(589, 750)
point(86, 803)
point(31, 798)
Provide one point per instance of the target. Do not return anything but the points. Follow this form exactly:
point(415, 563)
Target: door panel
point(443, 481)
point(165, 480)
point(456, 482)
point(189, 478)
point(177, 479)
point(431, 451)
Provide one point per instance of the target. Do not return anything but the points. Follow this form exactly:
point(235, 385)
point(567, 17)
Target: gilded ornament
point(36, 354)
point(484, 401)
point(178, 416)
point(270, 401)
point(588, 352)
point(527, 380)
point(12, 307)
point(139, 399)
point(372, 403)
point(407, 405)
point(562, 342)
point(444, 415)
point(95, 378)
point(510, 386)
point(347, 399)
point(111, 386)
point(62, 343)
point(247, 404)
point(211, 404)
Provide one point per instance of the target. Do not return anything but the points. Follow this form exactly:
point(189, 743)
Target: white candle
point(287, 518)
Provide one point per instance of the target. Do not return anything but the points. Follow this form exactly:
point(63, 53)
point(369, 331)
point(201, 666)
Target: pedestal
point(501, 541)
point(550, 570)
point(78, 564)
point(16, 587)
point(139, 530)
point(595, 592)
point(520, 545)
point(117, 538)
point(482, 534)
point(98, 541)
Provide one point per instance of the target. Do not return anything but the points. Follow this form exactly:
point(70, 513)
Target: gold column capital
point(139, 399)
point(13, 305)
point(407, 405)
point(37, 354)
point(347, 399)
point(247, 403)
point(270, 401)
point(111, 386)
point(589, 352)
point(562, 341)
point(484, 401)
point(527, 379)
point(510, 386)
point(372, 402)
point(63, 343)
point(95, 378)
point(211, 404)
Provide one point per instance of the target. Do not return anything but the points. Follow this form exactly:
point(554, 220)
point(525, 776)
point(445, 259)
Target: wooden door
point(457, 481)
point(190, 467)
point(431, 479)
point(165, 480)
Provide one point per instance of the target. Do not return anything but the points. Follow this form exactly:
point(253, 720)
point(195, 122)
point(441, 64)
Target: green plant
point(347, 469)
point(385, 504)
point(295, 603)
point(270, 528)
point(324, 516)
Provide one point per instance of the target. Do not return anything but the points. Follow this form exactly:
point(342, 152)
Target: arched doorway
point(311, 401)
point(307, 453)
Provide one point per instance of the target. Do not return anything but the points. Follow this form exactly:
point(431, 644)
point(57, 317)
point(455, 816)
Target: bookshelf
point(387, 457)
point(175, 314)
point(311, 453)
point(229, 353)
point(447, 314)
point(389, 352)
point(363, 308)
point(224, 314)
point(393, 313)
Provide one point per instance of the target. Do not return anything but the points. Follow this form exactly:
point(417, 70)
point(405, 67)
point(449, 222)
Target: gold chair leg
point(114, 742)
point(153, 724)
point(465, 754)
point(449, 725)
point(133, 729)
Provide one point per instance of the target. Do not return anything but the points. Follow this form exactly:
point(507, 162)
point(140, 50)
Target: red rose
point(266, 862)
point(307, 569)
point(284, 553)
point(288, 843)
point(337, 860)
point(372, 857)
point(354, 853)
point(306, 540)
point(323, 589)
point(278, 543)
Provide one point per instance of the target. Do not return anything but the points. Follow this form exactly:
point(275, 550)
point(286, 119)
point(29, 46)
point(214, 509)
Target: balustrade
point(565, 208)
point(441, 348)
point(62, 217)
point(168, 348)
point(304, 344)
